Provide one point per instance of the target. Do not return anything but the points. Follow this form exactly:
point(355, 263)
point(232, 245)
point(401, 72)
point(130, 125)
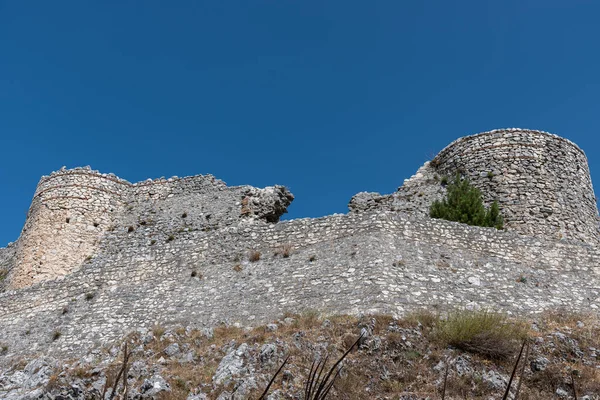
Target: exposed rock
point(269, 203)
point(365, 201)
point(267, 352)
point(153, 386)
point(172, 349)
point(495, 380)
point(231, 365)
point(539, 364)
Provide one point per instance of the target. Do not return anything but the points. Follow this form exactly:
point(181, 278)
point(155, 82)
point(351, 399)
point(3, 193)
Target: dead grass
point(426, 318)
point(254, 255)
point(183, 379)
point(158, 331)
point(400, 366)
point(481, 332)
point(53, 382)
point(285, 250)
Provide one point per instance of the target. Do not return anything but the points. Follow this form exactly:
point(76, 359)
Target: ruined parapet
point(269, 203)
point(69, 212)
point(541, 181)
point(414, 196)
point(73, 210)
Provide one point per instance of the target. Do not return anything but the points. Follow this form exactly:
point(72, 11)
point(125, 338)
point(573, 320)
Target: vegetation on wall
point(463, 203)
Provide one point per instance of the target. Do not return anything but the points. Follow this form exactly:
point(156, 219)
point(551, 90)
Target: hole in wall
point(96, 224)
point(68, 220)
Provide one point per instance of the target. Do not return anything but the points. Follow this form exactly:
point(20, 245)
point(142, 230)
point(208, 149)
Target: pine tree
point(463, 204)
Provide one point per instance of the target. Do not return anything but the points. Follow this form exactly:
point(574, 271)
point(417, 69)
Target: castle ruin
point(125, 256)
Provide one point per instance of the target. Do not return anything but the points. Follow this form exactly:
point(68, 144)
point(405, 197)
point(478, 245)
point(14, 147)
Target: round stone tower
point(541, 181)
point(69, 212)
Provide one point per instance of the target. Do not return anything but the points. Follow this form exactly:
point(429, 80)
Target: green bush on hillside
point(463, 204)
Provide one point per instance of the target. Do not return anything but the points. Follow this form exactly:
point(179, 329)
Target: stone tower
point(541, 181)
point(68, 215)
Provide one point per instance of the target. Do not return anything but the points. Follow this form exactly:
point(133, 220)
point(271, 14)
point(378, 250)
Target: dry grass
point(254, 255)
point(482, 332)
point(425, 318)
point(53, 382)
point(158, 331)
point(183, 379)
point(285, 250)
point(401, 365)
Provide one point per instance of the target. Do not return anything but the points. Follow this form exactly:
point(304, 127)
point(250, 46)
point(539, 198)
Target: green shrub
point(483, 332)
point(463, 204)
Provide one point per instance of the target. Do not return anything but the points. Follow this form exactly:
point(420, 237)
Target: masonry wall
point(99, 256)
point(369, 262)
point(541, 181)
point(73, 210)
point(7, 256)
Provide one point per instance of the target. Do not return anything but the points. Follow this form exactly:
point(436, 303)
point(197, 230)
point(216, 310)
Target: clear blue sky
point(327, 97)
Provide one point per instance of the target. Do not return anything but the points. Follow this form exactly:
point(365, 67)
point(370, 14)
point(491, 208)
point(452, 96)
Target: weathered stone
point(539, 364)
point(185, 262)
point(231, 365)
point(495, 380)
point(153, 386)
point(172, 349)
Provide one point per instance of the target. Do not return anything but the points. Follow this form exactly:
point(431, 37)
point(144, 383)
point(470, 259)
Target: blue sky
point(329, 98)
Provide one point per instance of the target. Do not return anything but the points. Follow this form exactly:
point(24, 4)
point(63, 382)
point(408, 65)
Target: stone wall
point(69, 213)
point(72, 210)
point(6, 264)
point(368, 262)
point(99, 257)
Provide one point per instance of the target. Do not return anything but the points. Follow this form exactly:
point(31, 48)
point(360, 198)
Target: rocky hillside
point(472, 352)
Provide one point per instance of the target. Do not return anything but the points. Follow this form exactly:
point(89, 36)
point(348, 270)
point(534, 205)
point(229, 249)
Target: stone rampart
point(68, 215)
point(369, 262)
point(99, 257)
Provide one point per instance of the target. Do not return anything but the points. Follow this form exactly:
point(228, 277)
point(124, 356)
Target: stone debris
point(243, 370)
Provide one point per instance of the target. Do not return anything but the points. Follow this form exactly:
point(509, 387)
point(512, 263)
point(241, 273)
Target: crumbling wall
point(99, 256)
point(72, 210)
point(541, 181)
point(381, 262)
point(7, 260)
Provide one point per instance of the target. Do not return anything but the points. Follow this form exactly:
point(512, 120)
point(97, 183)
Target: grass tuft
point(254, 256)
point(484, 332)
